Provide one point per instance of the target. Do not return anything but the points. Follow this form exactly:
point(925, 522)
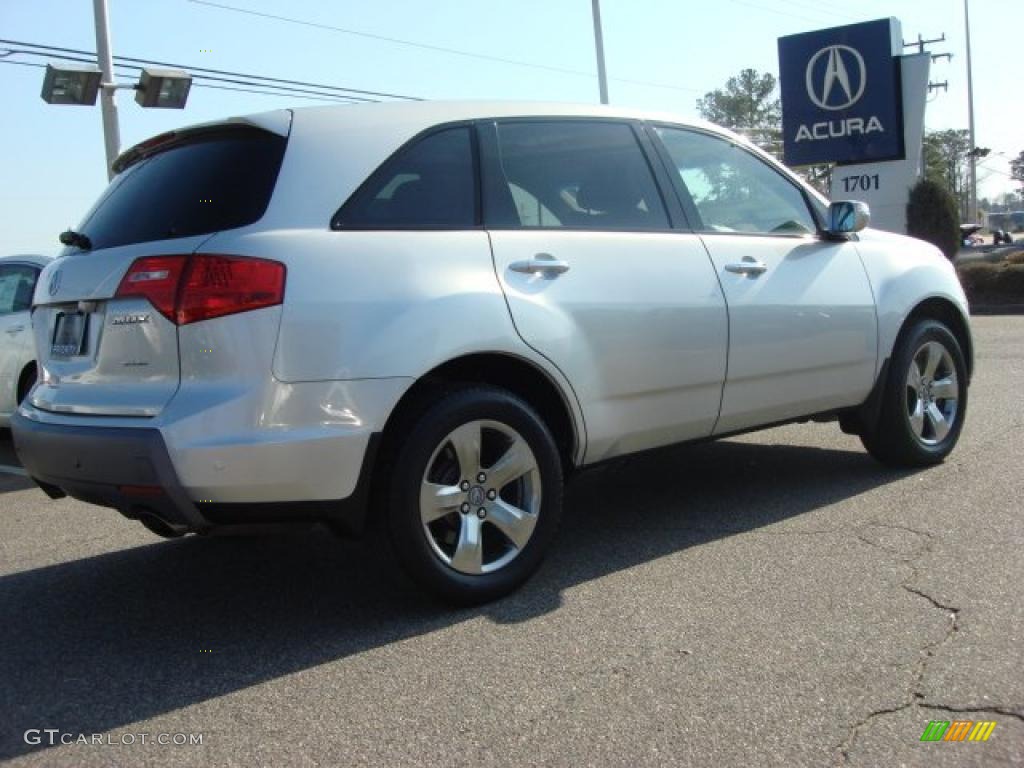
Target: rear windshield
point(209, 183)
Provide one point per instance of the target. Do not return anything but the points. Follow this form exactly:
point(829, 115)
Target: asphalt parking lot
point(775, 599)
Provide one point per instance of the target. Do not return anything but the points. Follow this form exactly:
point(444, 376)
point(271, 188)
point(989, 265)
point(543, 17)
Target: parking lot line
point(6, 469)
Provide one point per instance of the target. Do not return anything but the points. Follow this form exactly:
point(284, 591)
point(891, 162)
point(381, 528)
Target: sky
point(660, 54)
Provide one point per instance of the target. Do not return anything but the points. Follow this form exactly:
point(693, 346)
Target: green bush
point(992, 284)
point(932, 216)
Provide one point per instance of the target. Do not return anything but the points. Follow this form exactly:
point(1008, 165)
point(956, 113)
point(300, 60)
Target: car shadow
point(10, 482)
point(106, 641)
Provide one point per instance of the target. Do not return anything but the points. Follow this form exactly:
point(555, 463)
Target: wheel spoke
point(466, 442)
point(934, 358)
point(917, 418)
point(436, 501)
point(469, 552)
point(940, 427)
point(514, 463)
point(945, 389)
point(914, 376)
point(515, 523)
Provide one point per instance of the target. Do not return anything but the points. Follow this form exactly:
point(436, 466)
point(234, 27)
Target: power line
point(266, 79)
point(434, 48)
point(23, 63)
point(285, 89)
point(803, 6)
point(766, 9)
point(996, 170)
point(333, 99)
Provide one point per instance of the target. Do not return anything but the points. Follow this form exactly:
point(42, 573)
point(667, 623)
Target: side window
point(574, 174)
point(428, 185)
point(17, 283)
point(732, 190)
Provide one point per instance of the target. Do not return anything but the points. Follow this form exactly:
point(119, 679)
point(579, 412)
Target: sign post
point(885, 186)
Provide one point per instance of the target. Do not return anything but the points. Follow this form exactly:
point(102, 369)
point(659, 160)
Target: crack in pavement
point(927, 652)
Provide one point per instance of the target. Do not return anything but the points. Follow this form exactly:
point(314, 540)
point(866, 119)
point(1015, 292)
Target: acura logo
point(55, 282)
point(839, 82)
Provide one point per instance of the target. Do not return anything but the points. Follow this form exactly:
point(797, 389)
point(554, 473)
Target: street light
point(70, 84)
point(163, 88)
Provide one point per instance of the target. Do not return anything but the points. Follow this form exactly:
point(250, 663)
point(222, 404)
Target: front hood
point(871, 235)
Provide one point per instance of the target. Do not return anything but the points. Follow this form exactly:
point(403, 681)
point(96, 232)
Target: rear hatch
point(107, 312)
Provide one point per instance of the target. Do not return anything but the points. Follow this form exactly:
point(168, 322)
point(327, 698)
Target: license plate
point(68, 334)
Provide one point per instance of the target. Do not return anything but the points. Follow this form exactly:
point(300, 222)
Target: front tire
point(475, 495)
point(924, 401)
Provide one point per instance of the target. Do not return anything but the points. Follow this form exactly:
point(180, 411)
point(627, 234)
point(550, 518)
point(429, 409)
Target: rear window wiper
point(70, 237)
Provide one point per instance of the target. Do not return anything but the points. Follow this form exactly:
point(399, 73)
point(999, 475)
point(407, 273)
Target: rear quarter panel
point(387, 304)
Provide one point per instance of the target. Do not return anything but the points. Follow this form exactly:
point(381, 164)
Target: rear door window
point(428, 185)
point(205, 184)
point(573, 174)
point(17, 283)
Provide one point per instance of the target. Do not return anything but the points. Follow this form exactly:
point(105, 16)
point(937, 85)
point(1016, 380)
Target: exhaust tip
point(155, 524)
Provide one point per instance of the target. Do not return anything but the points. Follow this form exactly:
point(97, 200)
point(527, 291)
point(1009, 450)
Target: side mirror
point(847, 217)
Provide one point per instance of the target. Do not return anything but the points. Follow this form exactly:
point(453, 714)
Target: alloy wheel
point(480, 497)
point(933, 393)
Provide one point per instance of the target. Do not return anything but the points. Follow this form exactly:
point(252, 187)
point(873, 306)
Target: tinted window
point(573, 174)
point(428, 185)
point(732, 190)
point(209, 183)
point(17, 283)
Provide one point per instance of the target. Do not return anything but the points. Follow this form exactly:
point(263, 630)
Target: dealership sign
point(841, 94)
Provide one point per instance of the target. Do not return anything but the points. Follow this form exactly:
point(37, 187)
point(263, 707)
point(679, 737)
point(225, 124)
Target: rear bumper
point(128, 469)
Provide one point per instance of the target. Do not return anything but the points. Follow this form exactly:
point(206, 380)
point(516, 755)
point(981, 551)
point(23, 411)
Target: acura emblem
point(55, 282)
point(843, 70)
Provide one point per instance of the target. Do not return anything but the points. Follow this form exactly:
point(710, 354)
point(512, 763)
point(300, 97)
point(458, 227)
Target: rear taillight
point(155, 278)
point(186, 289)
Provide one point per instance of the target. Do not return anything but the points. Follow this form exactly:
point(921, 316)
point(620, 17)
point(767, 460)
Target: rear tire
point(27, 381)
point(475, 495)
point(924, 401)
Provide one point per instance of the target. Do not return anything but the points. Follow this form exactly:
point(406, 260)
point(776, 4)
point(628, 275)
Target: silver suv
point(427, 316)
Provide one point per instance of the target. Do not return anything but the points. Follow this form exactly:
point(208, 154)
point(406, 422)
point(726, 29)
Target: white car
point(18, 275)
point(438, 312)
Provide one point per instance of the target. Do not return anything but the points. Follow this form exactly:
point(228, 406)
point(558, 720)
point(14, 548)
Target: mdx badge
point(141, 317)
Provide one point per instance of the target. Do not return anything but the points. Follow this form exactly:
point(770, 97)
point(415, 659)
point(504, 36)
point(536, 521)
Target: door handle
point(541, 264)
point(15, 329)
point(750, 267)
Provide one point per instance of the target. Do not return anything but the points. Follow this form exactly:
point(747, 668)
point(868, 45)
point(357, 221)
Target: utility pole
point(111, 130)
point(602, 78)
point(972, 211)
point(921, 42)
